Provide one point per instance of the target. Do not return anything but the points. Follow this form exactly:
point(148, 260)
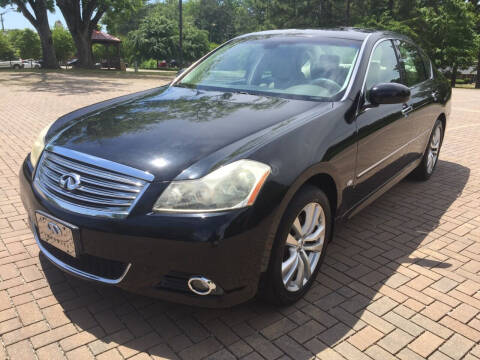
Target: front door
point(417, 70)
point(382, 129)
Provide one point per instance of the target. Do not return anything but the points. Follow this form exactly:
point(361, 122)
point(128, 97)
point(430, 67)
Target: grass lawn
point(465, 86)
point(130, 73)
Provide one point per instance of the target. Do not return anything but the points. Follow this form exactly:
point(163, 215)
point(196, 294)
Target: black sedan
point(228, 182)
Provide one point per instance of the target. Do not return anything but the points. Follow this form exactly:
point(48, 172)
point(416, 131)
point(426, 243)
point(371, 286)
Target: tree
point(7, 52)
point(476, 7)
point(36, 13)
point(155, 39)
point(63, 43)
point(121, 21)
point(456, 47)
point(28, 44)
point(82, 17)
point(217, 17)
point(195, 42)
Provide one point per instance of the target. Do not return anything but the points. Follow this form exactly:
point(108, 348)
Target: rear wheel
point(299, 247)
point(429, 161)
point(16, 66)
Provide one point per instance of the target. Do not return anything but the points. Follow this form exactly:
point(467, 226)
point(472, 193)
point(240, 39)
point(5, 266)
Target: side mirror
point(388, 93)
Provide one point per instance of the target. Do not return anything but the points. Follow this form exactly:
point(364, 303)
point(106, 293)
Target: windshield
point(284, 66)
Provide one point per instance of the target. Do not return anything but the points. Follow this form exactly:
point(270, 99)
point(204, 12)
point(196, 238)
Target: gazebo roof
point(101, 37)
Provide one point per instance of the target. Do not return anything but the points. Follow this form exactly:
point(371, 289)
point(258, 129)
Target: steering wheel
point(327, 84)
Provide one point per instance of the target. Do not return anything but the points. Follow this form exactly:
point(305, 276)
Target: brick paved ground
point(402, 280)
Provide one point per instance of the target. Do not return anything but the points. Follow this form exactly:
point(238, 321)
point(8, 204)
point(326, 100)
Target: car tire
point(16, 67)
point(275, 286)
point(429, 161)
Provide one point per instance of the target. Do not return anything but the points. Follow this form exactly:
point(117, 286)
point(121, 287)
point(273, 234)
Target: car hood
point(166, 131)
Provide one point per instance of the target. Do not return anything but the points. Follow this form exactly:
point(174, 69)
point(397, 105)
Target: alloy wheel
point(303, 247)
point(433, 149)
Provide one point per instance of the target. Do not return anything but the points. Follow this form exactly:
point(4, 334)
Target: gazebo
point(108, 40)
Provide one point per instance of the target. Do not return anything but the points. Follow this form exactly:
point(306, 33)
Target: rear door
point(382, 129)
point(418, 77)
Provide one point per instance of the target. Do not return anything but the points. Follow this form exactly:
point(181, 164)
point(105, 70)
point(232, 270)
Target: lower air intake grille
point(105, 268)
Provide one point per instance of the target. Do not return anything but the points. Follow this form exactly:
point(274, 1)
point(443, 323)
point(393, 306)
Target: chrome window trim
point(429, 60)
point(72, 270)
point(360, 174)
point(392, 39)
point(354, 74)
point(370, 60)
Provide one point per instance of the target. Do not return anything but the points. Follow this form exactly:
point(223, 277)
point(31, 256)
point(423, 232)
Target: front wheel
point(430, 158)
point(299, 247)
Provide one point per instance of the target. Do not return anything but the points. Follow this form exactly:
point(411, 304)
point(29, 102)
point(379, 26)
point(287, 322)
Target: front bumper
point(159, 252)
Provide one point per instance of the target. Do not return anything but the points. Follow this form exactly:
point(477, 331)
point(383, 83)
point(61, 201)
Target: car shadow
point(371, 257)
point(67, 83)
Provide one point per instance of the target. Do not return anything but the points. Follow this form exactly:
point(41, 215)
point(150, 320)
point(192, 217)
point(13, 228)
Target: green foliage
point(63, 43)
point(386, 22)
point(102, 52)
point(148, 64)
point(7, 52)
point(449, 33)
point(216, 17)
point(195, 43)
point(26, 42)
point(212, 46)
point(154, 39)
point(158, 38)
point(122, 21)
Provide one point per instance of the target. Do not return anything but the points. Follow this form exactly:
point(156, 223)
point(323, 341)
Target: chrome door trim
point(74, 271)
point(360, 174)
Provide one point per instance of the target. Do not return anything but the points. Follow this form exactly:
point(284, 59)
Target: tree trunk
point(83, 43)
point(453, 77)
point(40, 22)
point(477, 83)
point(347, 13)
point(391, 6)
point(48, 51)
point(81, 21)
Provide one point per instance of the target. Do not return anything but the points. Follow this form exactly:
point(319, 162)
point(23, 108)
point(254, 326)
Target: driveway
point(401, 279)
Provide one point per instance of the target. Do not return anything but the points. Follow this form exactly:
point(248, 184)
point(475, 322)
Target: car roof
point(343, 33)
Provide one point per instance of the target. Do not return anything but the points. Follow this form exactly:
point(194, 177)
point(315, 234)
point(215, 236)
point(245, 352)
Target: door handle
point(407, 109)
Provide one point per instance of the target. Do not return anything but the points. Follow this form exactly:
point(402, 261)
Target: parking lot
point(400, 280)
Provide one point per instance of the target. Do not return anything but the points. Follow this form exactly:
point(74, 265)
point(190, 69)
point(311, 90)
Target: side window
point(413, 62)
point(383, 67)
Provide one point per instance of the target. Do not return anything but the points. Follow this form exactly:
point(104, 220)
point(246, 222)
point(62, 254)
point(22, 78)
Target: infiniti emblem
point(69, 181)
point(54, 228)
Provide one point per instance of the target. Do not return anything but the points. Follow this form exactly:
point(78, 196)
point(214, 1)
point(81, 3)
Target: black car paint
point(197, 131)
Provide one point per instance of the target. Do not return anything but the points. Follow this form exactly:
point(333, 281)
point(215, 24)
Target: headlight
point(232, 186)
point(38, 145)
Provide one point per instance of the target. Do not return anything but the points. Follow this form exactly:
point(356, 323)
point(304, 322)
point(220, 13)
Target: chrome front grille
point(99, 187)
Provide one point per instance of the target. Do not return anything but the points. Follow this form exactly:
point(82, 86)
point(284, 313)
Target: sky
point(15, 20)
